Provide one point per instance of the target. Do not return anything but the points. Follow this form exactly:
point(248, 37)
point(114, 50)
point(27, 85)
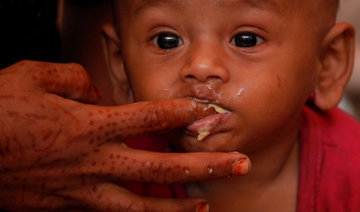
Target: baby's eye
point(246, 40)
point(167, 40)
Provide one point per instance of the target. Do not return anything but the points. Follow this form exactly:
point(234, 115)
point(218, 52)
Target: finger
point(163, 168)
point(109, 197)
point(142, 117)
point(67, 80)
point(27, 200)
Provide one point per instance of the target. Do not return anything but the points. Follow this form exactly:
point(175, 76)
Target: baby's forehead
point(320, 13)
point(220, 3)
point(324, 5)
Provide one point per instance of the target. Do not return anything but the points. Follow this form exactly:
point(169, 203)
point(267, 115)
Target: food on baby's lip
point(218, 109)
point(203, 132)
point(204, 126)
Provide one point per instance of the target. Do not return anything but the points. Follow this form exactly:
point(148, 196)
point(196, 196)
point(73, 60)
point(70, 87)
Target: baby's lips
point(210, 121)
point(207, 124)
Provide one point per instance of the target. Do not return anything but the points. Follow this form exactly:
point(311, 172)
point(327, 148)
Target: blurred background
point(41, 30)
point(28, 30)
point(350, 12)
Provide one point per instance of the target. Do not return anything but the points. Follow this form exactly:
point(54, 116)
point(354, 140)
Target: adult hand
point(60, 154)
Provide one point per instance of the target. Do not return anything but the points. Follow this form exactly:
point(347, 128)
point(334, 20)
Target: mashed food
point(204, 131)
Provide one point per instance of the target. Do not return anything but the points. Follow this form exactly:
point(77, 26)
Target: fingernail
point(242, 167)
point(203, 207)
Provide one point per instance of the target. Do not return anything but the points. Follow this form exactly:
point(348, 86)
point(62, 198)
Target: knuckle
point(24, 70)
point(160, 117)
point(25, 62)
point(79, 72)
point(75, 67)
point(156, 116)
point(25, 66)
point(150, 117)
point(160, 172)
point(137, 206)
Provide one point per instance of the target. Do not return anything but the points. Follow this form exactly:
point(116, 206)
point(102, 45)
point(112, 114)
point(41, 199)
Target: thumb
point(66, 80)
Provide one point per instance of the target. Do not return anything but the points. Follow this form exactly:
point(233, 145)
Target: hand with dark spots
point(58, 153)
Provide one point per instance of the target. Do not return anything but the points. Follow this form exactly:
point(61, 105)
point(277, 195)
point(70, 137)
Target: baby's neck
point(271, 184)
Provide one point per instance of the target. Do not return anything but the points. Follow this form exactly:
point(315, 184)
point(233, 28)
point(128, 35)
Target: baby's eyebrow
point(143, 4)
point(261, 4)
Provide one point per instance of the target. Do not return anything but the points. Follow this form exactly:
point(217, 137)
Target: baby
point(275, 70)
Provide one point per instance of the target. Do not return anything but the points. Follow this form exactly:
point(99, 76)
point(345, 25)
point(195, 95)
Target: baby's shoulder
point(329, 160)
point(334, 128)
point(333, 134)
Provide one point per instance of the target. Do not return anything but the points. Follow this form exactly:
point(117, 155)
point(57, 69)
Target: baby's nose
point(205, 63)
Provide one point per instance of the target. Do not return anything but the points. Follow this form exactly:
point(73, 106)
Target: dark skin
point(298, 50)
point(67, 155)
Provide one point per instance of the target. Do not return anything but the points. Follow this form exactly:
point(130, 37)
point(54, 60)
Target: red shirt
point(329, 162)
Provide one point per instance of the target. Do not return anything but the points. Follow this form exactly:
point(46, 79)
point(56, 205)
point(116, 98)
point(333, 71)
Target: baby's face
point(254, 58)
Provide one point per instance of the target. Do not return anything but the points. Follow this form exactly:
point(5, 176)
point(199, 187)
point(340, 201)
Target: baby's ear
point(121, 89)
point(336, 64)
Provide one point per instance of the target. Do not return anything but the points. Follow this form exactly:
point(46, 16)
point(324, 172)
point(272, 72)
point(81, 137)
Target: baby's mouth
point(204, 127)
